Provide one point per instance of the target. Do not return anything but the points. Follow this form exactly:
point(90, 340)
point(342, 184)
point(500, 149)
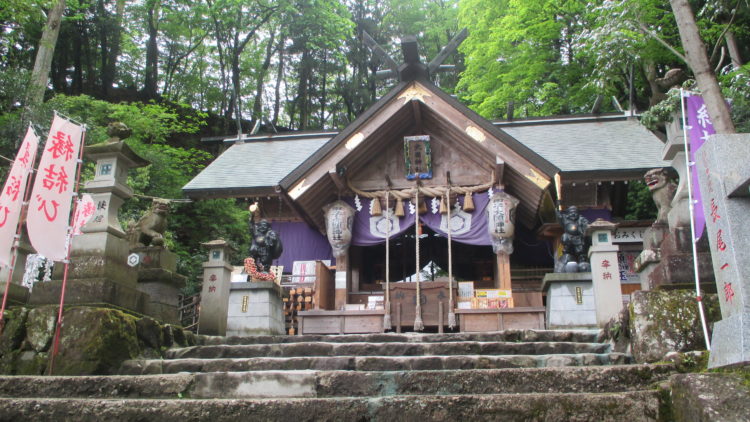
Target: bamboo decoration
point(387, 325)
point(376, 211)
point(418, 324)
point(451, 312)
point(399, 208)
point(468, 202)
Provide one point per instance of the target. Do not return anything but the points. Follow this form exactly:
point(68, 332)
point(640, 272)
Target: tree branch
point(656, 36)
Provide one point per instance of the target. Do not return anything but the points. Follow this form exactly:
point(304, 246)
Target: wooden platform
point(480, 320)
point(340, 322)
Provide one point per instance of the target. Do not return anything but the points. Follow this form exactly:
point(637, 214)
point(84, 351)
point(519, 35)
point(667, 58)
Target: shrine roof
point(606, 145)
point(255, 166)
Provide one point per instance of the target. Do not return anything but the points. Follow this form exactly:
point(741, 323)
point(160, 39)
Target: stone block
point(563, 309)
point(90, 291)
point(667, 321)
point(99, 255)
point(255, 309)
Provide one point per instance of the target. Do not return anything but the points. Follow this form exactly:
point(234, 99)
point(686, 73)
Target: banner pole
point(19, 228)
point(68, 242)
point(689, 176)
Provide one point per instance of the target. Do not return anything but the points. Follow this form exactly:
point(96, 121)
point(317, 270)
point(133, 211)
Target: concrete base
point(563, 309)
point(728, 342)
point(90, 291)
point(17, 295)
point(157, 279)
point(99, 255)
point(255, 309)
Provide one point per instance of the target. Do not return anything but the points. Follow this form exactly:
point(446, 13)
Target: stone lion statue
point(149, 230)
point(662, 189)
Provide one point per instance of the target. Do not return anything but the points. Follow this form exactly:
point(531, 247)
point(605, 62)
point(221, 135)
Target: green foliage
point(655, 117)
point(640, 205)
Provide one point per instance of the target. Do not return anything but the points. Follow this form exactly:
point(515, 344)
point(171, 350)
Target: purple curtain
point(301, 243)
point(476, 235)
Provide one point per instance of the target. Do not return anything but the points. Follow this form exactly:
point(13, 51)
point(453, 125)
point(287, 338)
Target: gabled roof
point(253, 167)
point(419, 105)
point(589, 147)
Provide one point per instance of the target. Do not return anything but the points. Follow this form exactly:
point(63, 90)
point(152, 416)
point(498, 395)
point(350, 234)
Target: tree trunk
point(279, 80)
point(695, 53)
point(734, 49)
point(43, 62)
point(152, 53)
point(258, 103)
point(110, 39)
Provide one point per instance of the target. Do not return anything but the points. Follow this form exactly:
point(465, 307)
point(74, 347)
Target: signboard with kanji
point(12, 195)
point(52, 194)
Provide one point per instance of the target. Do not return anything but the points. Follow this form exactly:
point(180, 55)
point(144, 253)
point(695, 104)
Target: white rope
point(418, 324)
point(387, 325)
point(451, 313)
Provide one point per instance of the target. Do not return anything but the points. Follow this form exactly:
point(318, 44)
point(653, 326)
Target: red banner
point(51, 197)
point(12, 195)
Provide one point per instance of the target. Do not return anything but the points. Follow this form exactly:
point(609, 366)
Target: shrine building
point(420, 190)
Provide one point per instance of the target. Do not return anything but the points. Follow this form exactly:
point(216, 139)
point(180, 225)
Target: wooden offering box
point(434, 302)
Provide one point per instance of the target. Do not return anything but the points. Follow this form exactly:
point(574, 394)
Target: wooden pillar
point(502, 271)
point(342, 271)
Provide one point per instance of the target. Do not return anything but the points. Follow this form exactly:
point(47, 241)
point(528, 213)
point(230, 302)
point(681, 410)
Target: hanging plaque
point(418, 157)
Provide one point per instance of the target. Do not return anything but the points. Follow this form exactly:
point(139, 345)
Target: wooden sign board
point(418, 157)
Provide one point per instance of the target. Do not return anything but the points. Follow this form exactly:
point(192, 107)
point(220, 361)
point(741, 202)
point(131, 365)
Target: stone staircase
point(509, 376)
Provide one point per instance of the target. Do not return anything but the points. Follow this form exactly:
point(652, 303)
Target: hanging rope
point(432, 191)
point(387, 317)
point(451, 313)
point(418, 324)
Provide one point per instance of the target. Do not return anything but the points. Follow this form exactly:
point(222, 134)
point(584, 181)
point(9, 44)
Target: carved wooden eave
point(369, 145)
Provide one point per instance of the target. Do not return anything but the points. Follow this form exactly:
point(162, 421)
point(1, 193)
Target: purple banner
point(699, 128)
point(301, 243)
point(475, 233)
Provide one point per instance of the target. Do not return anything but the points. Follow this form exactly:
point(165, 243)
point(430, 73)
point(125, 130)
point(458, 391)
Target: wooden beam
point(297, 209)
point(499, 169)
point(337, 180)
point(417, 116)
point(447, 51)
point(410, 49)
point(378, 50)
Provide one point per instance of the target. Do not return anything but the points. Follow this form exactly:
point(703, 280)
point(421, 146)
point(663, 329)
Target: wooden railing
point(189, 309)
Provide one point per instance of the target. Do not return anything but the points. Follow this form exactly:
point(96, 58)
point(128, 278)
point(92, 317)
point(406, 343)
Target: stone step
point(581, 336)
point(624, 406)
point(327, 384)
point(369, 363)
point(385, 349)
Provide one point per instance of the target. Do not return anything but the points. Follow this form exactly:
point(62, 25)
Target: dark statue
point(574, 257)
point(266, 244)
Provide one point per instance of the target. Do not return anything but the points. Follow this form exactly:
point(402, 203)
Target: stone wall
point(94, 341)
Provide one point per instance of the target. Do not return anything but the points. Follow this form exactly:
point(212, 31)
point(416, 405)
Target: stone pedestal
point(724, 173)
point(255, 308)
point(605, 273)
point(98, 272)
point(158, 279)
point(217, 278)
point(570, 300)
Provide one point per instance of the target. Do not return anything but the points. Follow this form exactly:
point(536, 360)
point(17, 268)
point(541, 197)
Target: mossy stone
point(14, 330)
point(149, 333)
point(95, 341)
point(40, 327)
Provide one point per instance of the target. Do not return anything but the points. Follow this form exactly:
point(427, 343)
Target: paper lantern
point(501, 221)
point(339, 221)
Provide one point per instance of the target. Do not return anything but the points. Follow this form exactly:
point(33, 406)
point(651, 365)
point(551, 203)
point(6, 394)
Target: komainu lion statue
point(149, 230)
point(662, 189)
